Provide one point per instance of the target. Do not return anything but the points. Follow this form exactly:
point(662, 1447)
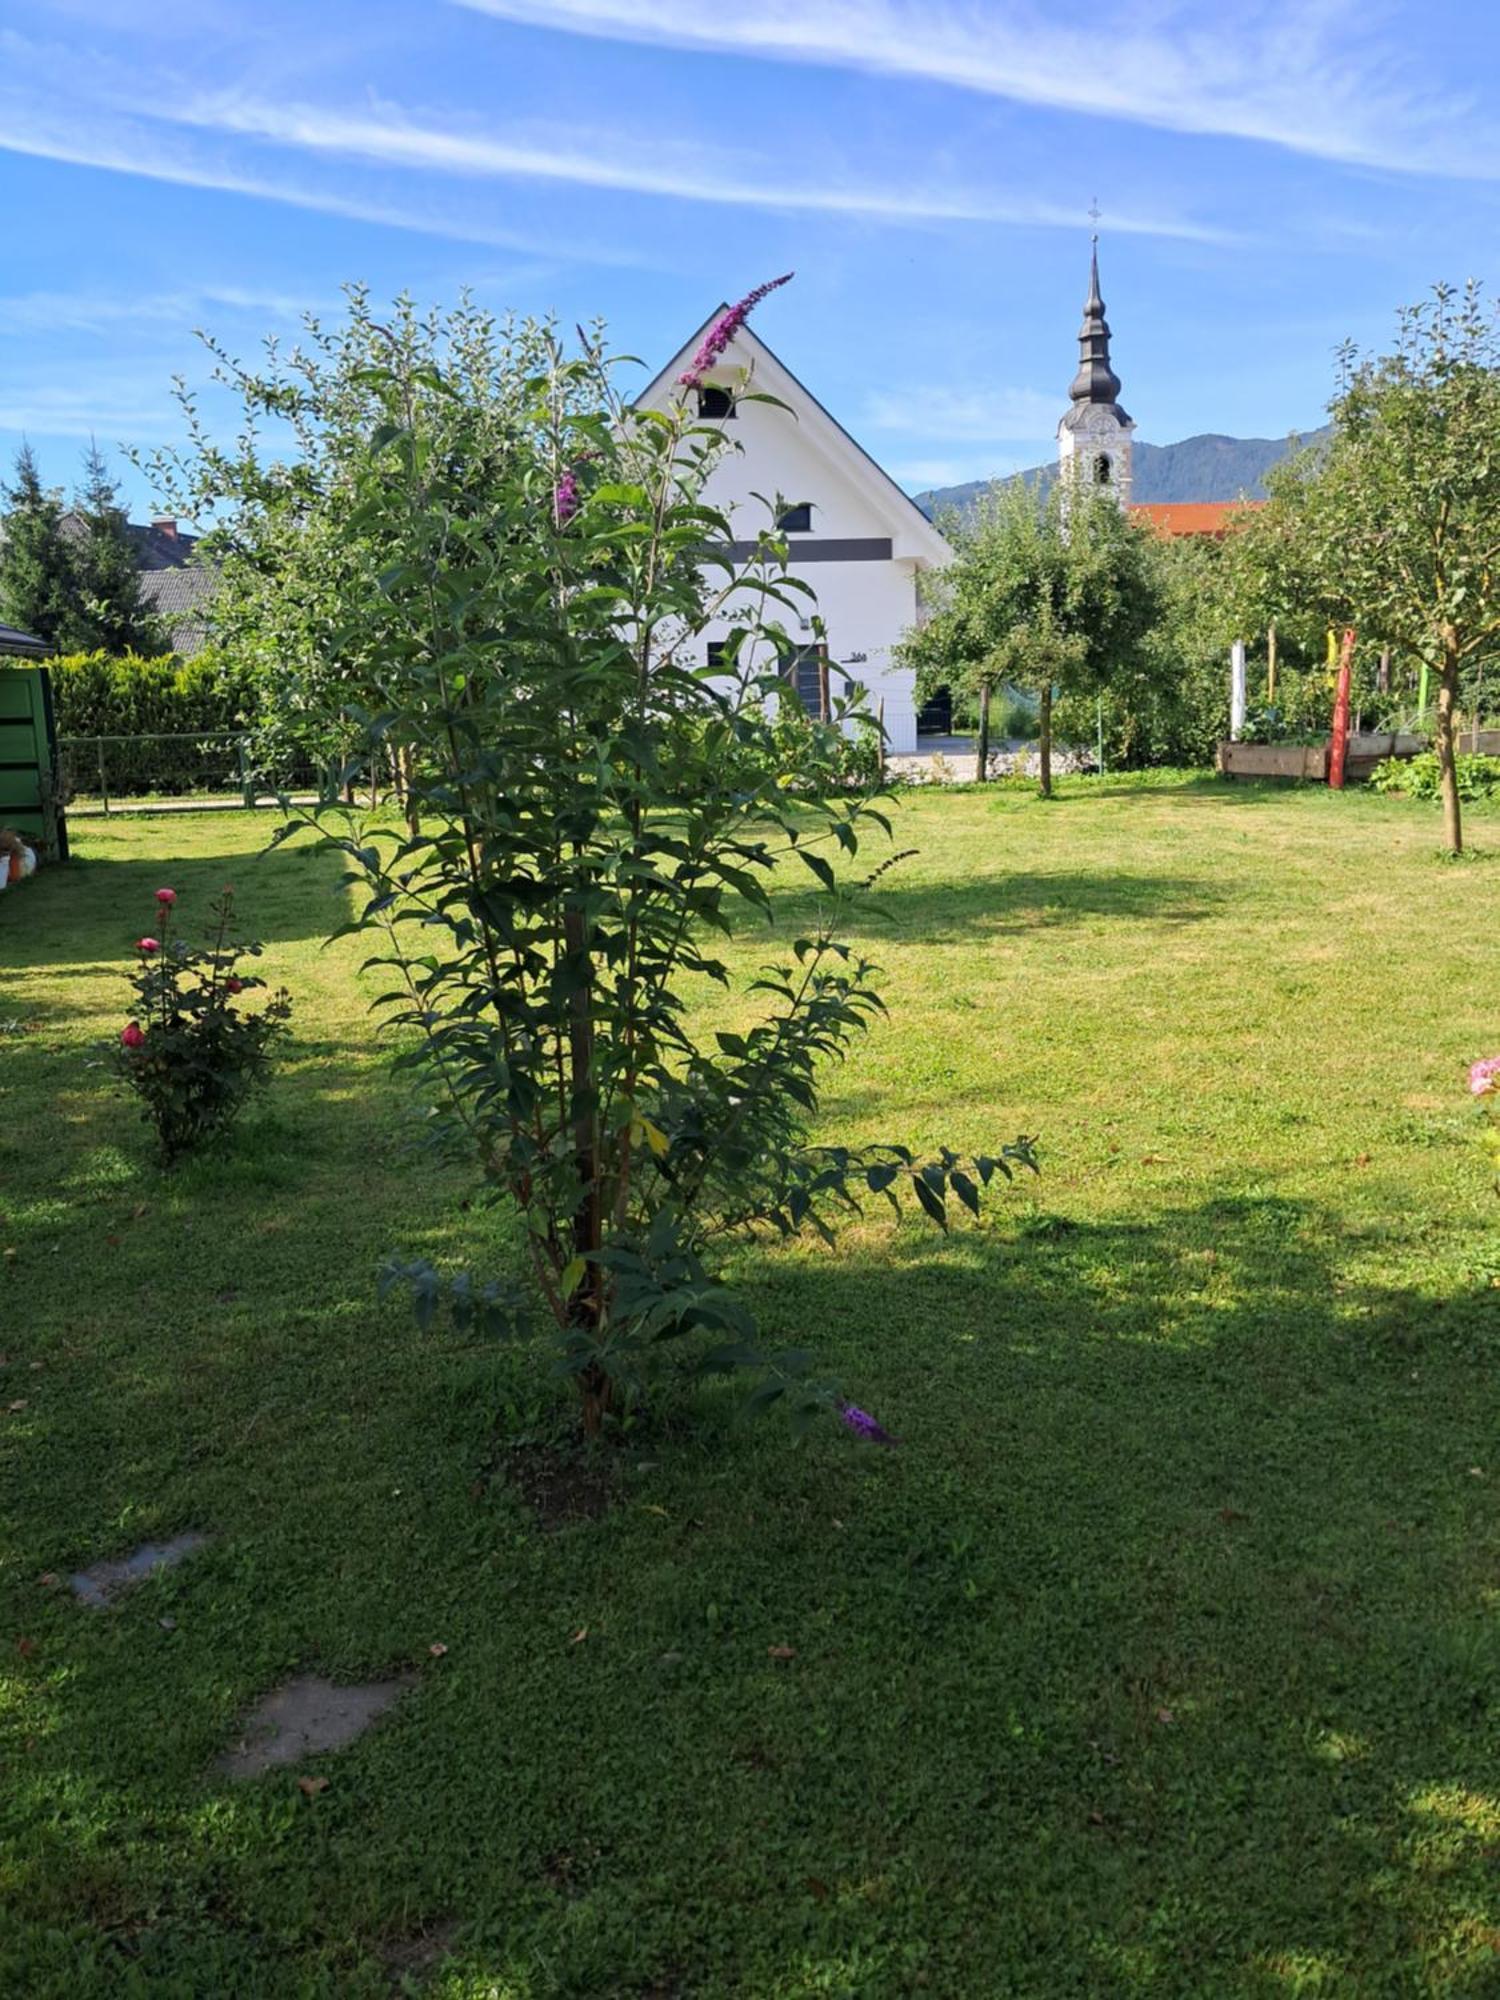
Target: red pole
point(1340, 746)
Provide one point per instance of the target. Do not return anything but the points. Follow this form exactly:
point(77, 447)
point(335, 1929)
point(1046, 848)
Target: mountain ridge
point(1209, 466)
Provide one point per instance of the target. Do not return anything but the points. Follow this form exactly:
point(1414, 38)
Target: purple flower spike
point(565, 499)
point(864, 1425)
point(723, 330)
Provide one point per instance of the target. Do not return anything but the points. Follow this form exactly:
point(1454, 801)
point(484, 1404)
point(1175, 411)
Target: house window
point(807, 671)
point(796, 520)
point(1102, 469)
point(714, 401)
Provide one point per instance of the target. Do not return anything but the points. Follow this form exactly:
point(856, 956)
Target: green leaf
point(819, 867)
point(933, 1203)
point(965, 1189)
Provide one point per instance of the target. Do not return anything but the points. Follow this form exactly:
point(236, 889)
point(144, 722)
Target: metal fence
point(211, 767)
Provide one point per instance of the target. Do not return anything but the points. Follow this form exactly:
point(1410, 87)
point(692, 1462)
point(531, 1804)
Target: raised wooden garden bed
point(1274, 760)
point(1372, 747)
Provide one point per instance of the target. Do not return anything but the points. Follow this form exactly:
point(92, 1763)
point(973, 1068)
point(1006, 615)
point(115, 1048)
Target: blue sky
point(1273, 175)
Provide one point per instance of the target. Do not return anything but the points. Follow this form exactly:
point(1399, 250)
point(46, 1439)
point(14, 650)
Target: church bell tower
point(1093, 439)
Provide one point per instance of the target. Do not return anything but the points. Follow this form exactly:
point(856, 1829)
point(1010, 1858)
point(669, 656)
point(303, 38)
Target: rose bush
point(189, 1054)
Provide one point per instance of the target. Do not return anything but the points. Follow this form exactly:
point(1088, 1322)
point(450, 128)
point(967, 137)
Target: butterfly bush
point(541, 570)
point(715, 342)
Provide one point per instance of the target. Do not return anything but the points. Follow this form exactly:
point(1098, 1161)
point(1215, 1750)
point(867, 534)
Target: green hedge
point(103, 694)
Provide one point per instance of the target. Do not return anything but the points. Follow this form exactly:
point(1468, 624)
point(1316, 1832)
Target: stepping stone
point(307, 1715)
point(101, 1584)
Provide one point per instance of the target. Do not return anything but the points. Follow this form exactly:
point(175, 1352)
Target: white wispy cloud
point(1309, 75)
point(86, 312)
point(680, 170)
point(105, 409)
point(86, 149)
point(115, 122)
point(934, 410)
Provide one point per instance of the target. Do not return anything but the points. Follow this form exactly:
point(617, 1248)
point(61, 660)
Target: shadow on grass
point(1005, 904)
point(1144, 1665)
point(99, 903)
point(1192, 791)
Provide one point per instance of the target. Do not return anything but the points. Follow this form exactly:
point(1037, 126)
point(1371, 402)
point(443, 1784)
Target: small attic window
point(796, 520)
point(715, 401)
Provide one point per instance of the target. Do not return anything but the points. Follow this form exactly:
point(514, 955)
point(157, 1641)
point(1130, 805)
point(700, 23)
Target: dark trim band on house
point(831, 548)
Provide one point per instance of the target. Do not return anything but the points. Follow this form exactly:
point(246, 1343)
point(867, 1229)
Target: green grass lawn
point(1162, 1658)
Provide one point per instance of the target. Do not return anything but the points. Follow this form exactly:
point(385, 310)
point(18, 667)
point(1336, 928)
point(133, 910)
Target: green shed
point(29, 799)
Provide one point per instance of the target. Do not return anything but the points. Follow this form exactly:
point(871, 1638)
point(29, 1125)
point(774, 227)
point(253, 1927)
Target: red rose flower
point(147, 945)
point(234, 985)
point(166, 896)
point(132, 1035)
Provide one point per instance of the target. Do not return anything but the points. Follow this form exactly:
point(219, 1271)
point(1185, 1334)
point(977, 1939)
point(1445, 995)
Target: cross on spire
point(1095, 213)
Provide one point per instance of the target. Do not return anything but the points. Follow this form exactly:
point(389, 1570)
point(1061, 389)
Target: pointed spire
point(1096, 381)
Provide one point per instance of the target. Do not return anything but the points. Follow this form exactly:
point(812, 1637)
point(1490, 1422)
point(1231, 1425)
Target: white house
point(851, 533)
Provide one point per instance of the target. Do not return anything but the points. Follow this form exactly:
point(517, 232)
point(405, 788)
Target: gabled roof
point(157, 544)
point(1172, 518)
point(175, 584)
point(912, 534)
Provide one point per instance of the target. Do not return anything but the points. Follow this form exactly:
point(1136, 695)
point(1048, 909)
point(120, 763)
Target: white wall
point(866, 606)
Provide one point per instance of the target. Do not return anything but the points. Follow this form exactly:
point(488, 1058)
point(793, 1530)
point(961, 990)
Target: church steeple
point(1096, 381)
point(1093, 439)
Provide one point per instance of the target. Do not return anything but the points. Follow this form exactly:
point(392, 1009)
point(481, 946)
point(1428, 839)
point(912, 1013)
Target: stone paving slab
point(306, 1715)
point(99, 1585)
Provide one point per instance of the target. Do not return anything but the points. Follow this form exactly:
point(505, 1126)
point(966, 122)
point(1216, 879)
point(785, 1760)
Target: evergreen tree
point(36, 574)
point(106, 612)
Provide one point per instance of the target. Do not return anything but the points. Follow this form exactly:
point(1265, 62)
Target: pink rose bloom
point(147, 944)
point(166, 897)
point(132, 1035)
point(1484, 1077)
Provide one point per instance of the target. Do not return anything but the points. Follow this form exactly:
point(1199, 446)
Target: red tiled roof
point(1193, 517)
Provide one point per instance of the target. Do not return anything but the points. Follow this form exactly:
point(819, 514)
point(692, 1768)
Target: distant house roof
point(174, 585)
point(13, 641)
point(1172, 518)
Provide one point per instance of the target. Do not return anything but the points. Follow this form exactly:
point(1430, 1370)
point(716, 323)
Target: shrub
point(540, 566)
point(819, 757)
point(188, 1052)
point(1421, 778)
